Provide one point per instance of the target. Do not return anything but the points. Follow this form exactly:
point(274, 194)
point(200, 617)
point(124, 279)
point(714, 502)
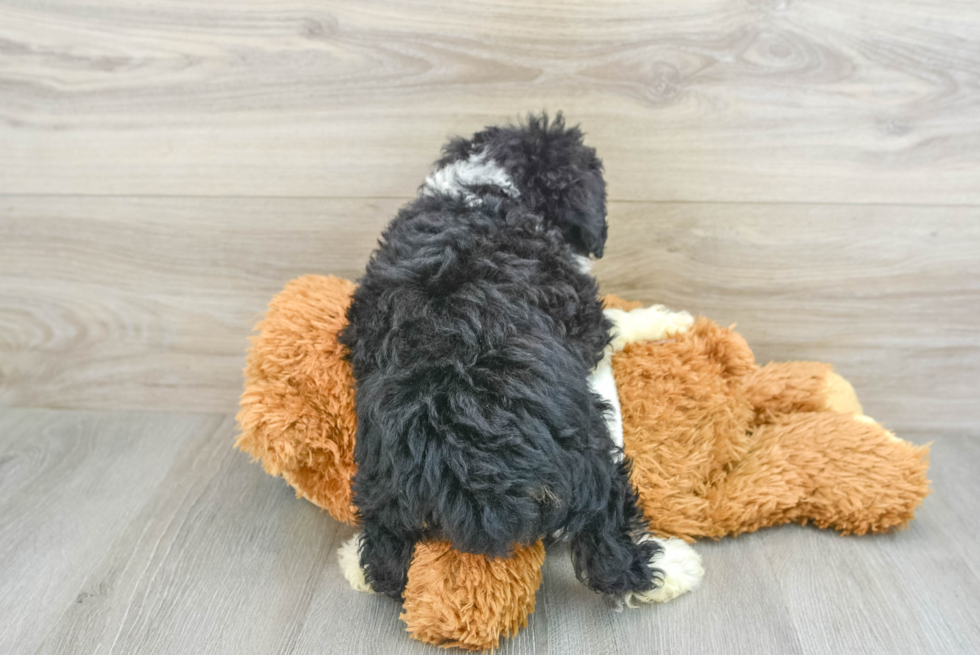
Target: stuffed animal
point(719, 445)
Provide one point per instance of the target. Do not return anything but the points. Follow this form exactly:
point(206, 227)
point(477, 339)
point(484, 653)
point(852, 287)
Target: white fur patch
point(646, 324)
point(682, 572)
point(584, 264)
point(604, 385)
point(350, 563)
point(456, 178)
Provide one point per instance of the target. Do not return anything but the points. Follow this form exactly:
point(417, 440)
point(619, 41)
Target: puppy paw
point(682, 573)
point(350, 563)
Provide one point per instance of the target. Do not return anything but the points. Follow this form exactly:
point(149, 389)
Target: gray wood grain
point(686, 100)
point(147, 533)
point(135, 303)
point(70, 486)
point(889, 295)
point(221, 556)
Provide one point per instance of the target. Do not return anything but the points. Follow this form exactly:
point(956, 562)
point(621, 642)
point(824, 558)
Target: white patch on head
point(603, 384)
point(682, 572)
point(584, 264)
point(349, 557)
point(653, 323)
point(479, 170)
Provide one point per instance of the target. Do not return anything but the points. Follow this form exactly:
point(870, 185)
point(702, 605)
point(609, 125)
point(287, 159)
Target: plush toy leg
point(871, 481)
point(470, 601)
point(789, 387)
point(832, 469)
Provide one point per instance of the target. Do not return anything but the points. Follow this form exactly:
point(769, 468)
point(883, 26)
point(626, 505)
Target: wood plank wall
point(807, 170)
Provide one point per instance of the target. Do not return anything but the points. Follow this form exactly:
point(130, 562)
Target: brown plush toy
point(720, 446)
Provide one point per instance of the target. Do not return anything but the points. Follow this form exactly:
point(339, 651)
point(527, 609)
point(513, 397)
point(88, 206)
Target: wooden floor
point(139, 532)
point(807, 170)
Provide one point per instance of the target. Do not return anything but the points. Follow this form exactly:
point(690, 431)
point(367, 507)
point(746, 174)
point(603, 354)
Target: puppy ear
point(566, 182)
point(582, 217)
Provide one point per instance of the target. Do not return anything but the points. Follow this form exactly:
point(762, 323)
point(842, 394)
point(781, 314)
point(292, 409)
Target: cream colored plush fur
point(652, 323)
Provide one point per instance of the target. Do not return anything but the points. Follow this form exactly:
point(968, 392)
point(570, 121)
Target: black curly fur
point(472, 335)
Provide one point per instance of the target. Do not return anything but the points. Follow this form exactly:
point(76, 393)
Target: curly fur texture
point(472, 336)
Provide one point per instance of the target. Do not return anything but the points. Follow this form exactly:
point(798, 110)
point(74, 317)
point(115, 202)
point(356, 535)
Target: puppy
point(472, 336)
